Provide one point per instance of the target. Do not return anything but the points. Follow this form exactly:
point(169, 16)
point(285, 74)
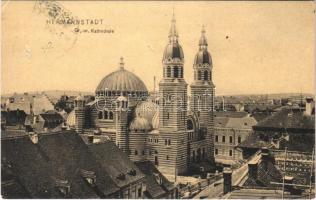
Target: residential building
point(231, 129)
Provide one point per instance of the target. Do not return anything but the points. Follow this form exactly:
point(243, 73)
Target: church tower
point(122, 112)
point(202, 93)
point(173, 108)
point(80, 113)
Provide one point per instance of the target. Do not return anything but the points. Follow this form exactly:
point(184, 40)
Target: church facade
point(174, 131)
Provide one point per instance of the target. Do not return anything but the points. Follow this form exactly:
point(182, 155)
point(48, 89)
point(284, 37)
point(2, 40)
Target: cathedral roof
point(173, 50)
point(146, 109)
point(121, 80)
point(141, 124)
point(71, 119)
point(203, 57)
point(155, 121)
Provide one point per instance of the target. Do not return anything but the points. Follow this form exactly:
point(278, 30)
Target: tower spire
point(203, 41)
point(173, 33)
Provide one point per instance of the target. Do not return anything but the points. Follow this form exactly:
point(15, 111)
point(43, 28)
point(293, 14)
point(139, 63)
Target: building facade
point(168, 132)
point(229, 133)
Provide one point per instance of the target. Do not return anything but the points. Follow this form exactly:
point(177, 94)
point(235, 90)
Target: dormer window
point(132, 172)
point(158, 178)
point(121, 177)
point(34, 137)
point(89, 176)
point(63, 187)
point(37, 119)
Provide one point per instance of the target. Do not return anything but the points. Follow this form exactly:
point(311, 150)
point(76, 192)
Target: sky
point(256, 47)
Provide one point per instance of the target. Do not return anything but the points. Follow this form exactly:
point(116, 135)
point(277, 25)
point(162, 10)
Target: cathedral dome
point(173, 50)
point(71, 119)
point(121, 80)
point(140, 124)
point(146, 109)
point(155, 121)
point(203, 57)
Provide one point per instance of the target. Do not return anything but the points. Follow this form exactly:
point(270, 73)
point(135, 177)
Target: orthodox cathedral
point(173, 131)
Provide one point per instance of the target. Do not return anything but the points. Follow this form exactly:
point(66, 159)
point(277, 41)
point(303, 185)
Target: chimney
point(309, 106)
point(265, 157)
point(227, 174)
point(253, 169)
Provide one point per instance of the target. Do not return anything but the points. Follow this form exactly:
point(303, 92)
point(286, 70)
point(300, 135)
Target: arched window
point(181, 72)
point(239, 139)
point(100, 115)
point(168, 71)
point(106, 114)
point(199, 75)
point(205, 75)
point(176, 71)
point(189, 124)
point(110, 115)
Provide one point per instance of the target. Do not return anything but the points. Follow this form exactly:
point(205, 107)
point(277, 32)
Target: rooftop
point(288, 118)
point(156, 184)
point(41, 163)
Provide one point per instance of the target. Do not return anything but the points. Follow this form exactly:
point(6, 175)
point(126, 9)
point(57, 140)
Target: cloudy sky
point(257, 47)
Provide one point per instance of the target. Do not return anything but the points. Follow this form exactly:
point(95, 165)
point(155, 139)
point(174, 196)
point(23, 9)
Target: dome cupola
point(140, 124)
point(120, 82)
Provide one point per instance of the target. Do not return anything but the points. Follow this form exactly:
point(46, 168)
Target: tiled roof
point(153, 176)
point(59, 156)
point(220, 121)
point(234, 122)
point(230, 114)
point(10, 185)
point(254, 141)
point(288, 118)
point(115, 163)
point(266, 175)
point(259, 116)
point(241, 123)
point(52, 119)
point(40, 103)
point(13, 117)
point(30, 165)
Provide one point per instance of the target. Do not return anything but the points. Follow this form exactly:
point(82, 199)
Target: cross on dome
point(203, 41)
point(122, 63)
point(173, 33)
